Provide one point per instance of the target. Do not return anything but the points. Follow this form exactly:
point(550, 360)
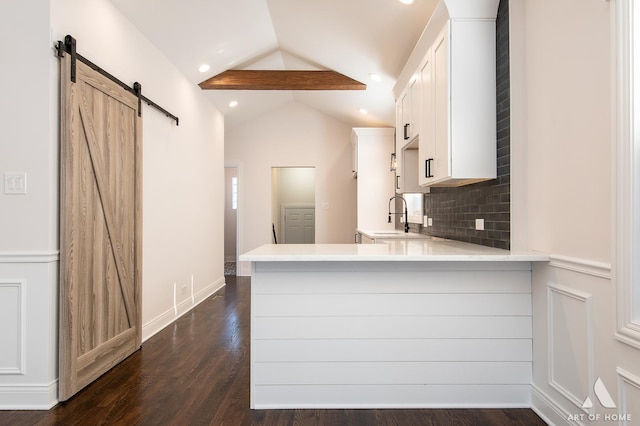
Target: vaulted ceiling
point(356, 38)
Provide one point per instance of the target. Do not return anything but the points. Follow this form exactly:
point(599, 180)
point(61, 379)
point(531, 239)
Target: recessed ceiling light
point(363, 111)
point(406, 1)
point(233, 104)
point(375, 77)
point(204, 68)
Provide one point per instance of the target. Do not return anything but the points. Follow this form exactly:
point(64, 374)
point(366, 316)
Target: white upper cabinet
point(409, 111)
point(457, 107)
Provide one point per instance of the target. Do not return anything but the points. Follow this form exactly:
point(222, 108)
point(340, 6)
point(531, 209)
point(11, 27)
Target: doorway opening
point(230, 220)
point(293, 194)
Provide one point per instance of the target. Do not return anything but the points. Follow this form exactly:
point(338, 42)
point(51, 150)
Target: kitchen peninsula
point(410, 323)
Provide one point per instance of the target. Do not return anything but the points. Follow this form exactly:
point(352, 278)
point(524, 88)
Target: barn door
point(100, 227)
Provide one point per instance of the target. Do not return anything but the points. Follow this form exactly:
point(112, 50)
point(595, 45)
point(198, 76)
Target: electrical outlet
point(479, 224)
point(15, 183)
point(430, 222)
point(425, 220)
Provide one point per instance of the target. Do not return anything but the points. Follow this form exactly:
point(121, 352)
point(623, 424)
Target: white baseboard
point(168, 317)
point(549, 410)
point(29, 397)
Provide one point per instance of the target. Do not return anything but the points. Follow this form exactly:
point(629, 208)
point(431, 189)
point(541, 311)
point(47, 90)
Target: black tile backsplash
point(454, 210)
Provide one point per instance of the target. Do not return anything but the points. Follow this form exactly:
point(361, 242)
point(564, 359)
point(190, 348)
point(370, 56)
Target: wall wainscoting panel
point(628, 396)
point(28, 330)
point(570, 342)
point(13, 326)
point(548, 409)
point(575, 353)
point(588, 267)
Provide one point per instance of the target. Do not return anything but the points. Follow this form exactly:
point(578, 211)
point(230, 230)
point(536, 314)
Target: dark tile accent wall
point(454, 210)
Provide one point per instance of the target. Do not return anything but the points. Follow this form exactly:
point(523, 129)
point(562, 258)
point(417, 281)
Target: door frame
point(226, 191)
point(239, 222)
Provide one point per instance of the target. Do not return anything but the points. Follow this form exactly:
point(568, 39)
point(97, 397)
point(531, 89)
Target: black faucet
point(406, 212)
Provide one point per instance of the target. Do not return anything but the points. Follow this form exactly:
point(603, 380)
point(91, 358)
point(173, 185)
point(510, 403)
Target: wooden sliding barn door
point(100, 227)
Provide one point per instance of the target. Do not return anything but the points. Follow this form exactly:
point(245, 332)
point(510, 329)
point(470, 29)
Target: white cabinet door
point(415, 108)
point(405, 114)
point(458, 136)
point(408, 125)
point(399, 143)
point(440, 166)
point(407, 138)
point(434, 163)
point(354, 157)
point(427, 141)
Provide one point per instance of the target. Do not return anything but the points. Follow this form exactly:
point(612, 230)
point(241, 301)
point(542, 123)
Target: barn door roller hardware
point(69, 46)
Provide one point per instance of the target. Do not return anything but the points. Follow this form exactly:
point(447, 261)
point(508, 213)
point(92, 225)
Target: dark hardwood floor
point(196, 372)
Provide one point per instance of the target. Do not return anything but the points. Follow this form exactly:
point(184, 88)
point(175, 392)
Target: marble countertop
point(392, 234)
point(393, 250)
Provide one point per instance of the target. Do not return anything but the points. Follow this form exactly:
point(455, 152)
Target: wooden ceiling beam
point(281, 80)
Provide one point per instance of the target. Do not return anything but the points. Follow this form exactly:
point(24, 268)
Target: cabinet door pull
point(427, 168)
point(406, 131)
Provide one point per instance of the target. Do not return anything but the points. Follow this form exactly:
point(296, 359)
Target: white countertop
point(395, 251)
point(392, 234)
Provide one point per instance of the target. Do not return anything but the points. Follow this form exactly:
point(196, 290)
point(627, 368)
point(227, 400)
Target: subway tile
point(454, 210)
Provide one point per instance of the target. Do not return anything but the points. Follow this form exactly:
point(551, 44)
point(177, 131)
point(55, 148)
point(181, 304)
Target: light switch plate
point(479, 224)
point(430, 221)
point(425, 220)
point(15, 183)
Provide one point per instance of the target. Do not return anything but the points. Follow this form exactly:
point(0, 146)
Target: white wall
point(28, 223)
point(296, 185)
point(182, 183)
point(561, 131)
point(293, 135)
point(183, 166)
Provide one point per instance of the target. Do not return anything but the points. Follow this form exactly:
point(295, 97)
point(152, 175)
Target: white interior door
point(299, 225)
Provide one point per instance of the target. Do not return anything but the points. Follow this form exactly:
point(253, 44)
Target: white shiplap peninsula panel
point(329, 334)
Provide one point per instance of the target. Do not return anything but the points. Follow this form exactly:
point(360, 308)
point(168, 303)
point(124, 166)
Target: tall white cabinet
point(372, 148)
point(453, 67)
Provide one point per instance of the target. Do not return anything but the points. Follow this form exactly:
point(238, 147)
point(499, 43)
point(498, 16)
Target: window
point(234, 193)
point(626, 26)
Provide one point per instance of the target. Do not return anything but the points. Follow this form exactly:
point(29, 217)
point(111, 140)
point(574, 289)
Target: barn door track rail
point(69, 47)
